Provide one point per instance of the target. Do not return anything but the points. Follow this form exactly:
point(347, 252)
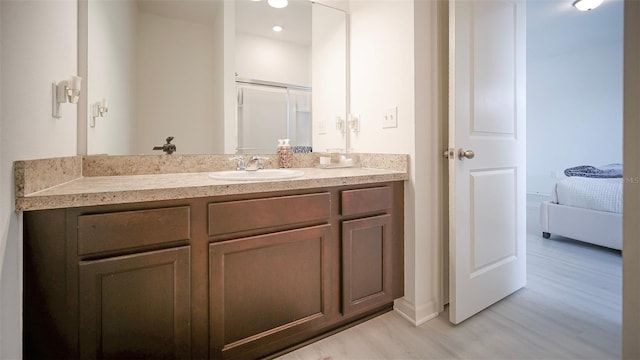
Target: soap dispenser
point(285, 154)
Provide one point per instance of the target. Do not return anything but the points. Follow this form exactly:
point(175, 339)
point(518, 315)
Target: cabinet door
point(366, 264)
point(136, 306)
point(266, 289)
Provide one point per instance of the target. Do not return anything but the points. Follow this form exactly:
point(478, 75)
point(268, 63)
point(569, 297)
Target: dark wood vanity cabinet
point(369, 248)
point(114, 284)
point(243, 276)
point(136, 306)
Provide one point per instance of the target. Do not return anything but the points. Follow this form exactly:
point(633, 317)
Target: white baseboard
point(416, 315)
point(537, 197)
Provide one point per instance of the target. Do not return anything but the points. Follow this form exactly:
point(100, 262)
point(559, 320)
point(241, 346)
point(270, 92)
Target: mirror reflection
point(214, 75)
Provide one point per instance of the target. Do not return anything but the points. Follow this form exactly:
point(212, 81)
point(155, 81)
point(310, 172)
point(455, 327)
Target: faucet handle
point(239, 162)
point(259, 161)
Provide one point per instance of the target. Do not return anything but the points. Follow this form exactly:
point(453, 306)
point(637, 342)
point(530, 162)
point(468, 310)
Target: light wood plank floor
point(570, 309)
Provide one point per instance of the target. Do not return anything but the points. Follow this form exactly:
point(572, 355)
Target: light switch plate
point(322, 127)
point(390, 118)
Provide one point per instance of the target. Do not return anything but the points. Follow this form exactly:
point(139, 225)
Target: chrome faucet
point(255, 163)
point(239, 162)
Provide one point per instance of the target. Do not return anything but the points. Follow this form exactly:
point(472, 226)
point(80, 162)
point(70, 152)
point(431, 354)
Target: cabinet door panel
point(366, 263)
point(265, 288)
point(136, 306)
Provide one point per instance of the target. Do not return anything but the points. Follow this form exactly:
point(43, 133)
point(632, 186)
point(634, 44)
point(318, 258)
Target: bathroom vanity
point(206, 268)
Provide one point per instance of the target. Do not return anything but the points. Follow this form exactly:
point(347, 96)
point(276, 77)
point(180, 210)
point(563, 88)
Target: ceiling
point(553, 26)
point(198, 11)
point(257, 18)
point(252, 17)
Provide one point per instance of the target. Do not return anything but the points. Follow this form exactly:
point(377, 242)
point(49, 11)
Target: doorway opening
point(554, 267)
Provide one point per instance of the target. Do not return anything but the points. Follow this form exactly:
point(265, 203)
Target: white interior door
point(487, 248)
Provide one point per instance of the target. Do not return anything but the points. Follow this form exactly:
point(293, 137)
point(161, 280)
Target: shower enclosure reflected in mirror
point(182, 67)
point(268, 111)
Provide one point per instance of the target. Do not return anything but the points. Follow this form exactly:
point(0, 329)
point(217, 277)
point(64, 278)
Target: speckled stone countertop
point(104, 180)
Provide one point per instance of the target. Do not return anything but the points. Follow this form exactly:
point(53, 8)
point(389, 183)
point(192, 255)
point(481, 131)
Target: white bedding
point(589, 193)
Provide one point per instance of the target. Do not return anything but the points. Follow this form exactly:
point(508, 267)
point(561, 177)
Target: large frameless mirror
point(212, 74)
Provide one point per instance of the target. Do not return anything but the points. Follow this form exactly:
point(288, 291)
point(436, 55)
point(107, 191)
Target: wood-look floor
point(570, 309)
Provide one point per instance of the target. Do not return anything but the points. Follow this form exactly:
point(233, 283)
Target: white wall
point(574, 90)
point(39, 46)
point(394, 63)
point(261, 58)
point(176, 67)
point(382, 74)
point(111, 75)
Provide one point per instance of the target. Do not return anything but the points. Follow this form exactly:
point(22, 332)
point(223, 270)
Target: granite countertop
point(104, 188)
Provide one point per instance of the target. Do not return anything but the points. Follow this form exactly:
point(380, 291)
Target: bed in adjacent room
point(586, 206)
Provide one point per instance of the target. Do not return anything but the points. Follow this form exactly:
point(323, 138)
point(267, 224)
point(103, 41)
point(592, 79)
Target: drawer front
point(245, 215)
point(132, 229)
point(361, 201)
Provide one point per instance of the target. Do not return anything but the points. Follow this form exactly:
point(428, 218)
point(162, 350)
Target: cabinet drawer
point(366, 200)
point(132, 229)
point(244, 215)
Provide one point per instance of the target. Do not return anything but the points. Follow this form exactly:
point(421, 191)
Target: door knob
point(469, 154)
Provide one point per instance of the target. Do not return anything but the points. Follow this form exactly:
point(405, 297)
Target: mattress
point(589, 193)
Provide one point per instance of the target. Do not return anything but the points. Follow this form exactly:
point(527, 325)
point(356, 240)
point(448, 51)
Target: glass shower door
point(262, 118)
point(300, 128)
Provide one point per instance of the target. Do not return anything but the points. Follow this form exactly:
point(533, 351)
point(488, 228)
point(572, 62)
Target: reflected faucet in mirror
point(168, 148)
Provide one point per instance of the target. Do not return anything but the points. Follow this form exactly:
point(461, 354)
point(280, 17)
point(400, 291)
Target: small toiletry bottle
point(279, 152)
point(285, 155)
point(279, 148)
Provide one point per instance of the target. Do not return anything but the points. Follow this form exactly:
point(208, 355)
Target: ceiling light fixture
point(586, 5)
point(277, 28)
point(278, 4)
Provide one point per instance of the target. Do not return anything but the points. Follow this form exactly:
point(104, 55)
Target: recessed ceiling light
point(585, 5)
point(277, 28)
point(278, 4)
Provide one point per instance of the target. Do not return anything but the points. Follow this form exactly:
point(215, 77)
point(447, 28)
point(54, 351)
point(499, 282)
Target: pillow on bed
point(606, 171)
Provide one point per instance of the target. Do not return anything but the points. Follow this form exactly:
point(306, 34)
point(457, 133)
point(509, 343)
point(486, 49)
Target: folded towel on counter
point(606, 171)
point(301, 149)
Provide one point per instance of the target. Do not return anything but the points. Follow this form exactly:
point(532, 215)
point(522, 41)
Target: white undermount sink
point(258, 175)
